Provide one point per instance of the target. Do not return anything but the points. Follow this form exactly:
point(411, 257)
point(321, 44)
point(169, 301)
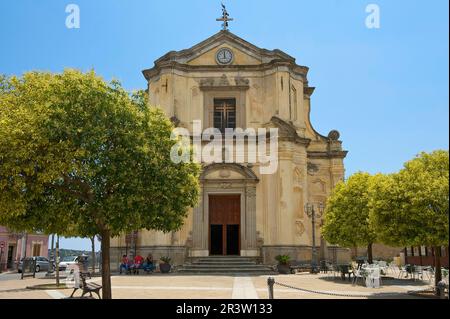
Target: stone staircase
point(225, 265)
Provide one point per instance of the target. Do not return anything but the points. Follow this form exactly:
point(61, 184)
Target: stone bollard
point(270, 283)
point(441, 289)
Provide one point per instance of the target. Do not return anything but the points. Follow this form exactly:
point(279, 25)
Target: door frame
point(224, 228)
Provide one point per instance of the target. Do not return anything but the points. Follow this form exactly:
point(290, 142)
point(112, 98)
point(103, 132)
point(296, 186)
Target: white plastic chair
point(418, 271)
point(357, 274)
point(376, 277)
point(393, 268)
point(373, 279)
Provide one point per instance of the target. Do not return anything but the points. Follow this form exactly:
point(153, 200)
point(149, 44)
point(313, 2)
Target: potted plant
point(165, 265)
point(283, 264)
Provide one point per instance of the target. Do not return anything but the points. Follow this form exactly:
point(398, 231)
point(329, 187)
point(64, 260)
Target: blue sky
point(385, 90)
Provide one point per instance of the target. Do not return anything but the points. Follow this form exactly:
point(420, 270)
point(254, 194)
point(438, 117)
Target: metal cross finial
point(225, 18)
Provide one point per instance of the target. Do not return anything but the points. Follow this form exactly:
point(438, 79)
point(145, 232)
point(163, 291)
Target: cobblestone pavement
point(158, 286)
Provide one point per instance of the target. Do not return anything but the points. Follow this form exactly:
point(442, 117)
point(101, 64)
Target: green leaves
point(346, 220)
point(409, 208)
point(79, 155)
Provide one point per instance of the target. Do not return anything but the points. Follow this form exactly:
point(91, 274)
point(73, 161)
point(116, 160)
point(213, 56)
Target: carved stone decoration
point(334, 135)
point(319, 187)
point(312, 168)
point(297, 176)
point(226, 185)
point(299, 227)
point(224, 81)
point(245, 171)
point(241, 81)
point(251, 192)
point(225, 173)
point(206, 82)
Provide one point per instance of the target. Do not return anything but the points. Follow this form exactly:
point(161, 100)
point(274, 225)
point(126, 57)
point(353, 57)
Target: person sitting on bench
point(138, 261)
point(125, 264)
point(149, 265)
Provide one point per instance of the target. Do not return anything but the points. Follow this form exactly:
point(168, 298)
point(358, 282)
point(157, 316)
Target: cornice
point(287, 132)
point(301, 71)
point(327, 155)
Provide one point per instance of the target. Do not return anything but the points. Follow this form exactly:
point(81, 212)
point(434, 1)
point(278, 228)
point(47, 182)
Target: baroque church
point(227, 82)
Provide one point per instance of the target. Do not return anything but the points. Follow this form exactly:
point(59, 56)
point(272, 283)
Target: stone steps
point(226, 265)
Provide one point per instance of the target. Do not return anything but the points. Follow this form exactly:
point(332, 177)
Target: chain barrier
point(348, 294)
point(322, 292)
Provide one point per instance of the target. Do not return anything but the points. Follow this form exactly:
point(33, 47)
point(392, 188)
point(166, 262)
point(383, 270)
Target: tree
point(410, 208)
point(93, 253)
point(77, 153)
point(346, 219)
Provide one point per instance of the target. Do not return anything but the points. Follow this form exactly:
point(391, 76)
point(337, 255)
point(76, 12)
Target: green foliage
point(346, 219)
point(165, 259)
point(81, 156)
point(283, 259)
point(410, 208)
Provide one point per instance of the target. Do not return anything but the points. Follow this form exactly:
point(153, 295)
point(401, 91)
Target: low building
point(424, 256)
point(14, 246)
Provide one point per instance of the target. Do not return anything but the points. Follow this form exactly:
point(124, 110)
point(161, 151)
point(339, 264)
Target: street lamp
point(311, 212)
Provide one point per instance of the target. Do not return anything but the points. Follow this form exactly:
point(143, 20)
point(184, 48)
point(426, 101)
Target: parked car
point(68, 260)
point(42, 263)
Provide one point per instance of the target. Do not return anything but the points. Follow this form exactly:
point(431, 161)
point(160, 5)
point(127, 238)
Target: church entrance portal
point(225, 222)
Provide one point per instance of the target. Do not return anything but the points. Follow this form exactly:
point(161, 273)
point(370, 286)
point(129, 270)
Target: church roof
point(266, 57)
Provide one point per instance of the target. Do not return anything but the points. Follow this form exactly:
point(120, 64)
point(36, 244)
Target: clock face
point(224, 56)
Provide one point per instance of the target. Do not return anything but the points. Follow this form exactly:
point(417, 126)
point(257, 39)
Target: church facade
point(227, 82)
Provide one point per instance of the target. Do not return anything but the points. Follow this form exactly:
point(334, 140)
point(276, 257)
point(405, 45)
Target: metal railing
point(441, 289)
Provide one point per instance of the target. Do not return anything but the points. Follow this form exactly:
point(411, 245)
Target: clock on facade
point(224, 56)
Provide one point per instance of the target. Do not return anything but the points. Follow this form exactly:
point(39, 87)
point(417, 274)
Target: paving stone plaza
point(158, 286)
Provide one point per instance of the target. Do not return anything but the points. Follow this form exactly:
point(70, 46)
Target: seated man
point(125, 264)
point(138, 262)
point(149, 265)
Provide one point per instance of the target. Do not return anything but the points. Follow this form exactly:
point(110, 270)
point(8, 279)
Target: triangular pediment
point(241, 56)
point(204, 52)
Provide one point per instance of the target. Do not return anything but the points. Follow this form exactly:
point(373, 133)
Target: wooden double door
point(225, 225)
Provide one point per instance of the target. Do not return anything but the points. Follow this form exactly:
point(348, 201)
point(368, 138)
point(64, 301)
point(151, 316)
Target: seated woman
point(149, 265)
point(138, 261)
point(125, 264)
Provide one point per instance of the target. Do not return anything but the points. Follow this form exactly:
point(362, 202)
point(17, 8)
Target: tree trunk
point(437, 267)
point(93, 254)
point(52, 256)
point(57, 260)
point(369, 253)
point(106, 271)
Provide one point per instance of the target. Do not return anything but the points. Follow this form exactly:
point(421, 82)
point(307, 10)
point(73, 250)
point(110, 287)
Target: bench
point(297, 266)
point(135, 270)
point(87, 287)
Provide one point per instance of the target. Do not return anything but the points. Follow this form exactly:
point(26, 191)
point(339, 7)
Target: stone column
point(250, 245)
point(199, 231)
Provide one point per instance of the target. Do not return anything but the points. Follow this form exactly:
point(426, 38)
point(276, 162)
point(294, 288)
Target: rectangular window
point(36, 249)
point(224, 114)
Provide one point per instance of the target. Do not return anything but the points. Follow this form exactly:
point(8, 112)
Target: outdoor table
point(344, 270)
